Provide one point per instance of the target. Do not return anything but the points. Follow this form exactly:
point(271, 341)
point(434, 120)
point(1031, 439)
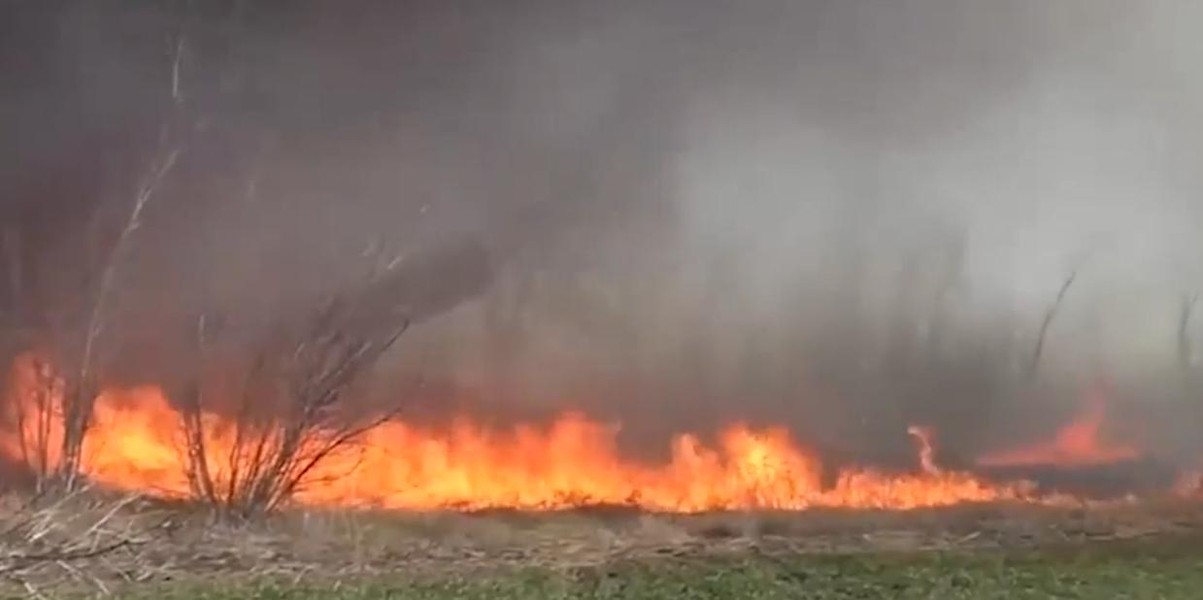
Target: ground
point(141, 549)
point(1124, 571)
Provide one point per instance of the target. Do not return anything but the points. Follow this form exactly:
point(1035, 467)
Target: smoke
point(849, 216)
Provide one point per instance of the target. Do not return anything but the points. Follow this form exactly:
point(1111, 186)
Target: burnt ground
point(96, 544)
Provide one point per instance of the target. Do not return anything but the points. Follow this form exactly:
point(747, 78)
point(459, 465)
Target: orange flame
point(1078, 444)
point(135, 444)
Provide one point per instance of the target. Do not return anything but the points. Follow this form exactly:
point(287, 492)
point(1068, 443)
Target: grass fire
point(137, 443)
point(629, 299)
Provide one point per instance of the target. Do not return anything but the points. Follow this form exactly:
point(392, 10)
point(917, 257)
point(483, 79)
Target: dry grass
point(99, 545)
point(78, 539)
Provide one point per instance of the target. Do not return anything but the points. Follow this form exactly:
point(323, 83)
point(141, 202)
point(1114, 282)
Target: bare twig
point(1049, 315)
point(33, 591)
point(18, 560)
point(198, 474)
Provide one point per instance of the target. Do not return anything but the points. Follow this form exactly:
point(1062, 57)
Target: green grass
point(1166, 570)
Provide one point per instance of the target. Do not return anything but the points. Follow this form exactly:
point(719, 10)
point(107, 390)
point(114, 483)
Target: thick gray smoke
point(846, 215)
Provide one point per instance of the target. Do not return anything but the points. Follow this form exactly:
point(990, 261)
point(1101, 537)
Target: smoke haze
point(844, 215)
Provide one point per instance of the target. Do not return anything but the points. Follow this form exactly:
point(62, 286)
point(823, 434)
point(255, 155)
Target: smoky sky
point(696, 210)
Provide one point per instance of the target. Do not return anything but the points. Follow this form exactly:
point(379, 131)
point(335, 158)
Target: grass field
point(1145, 570)
point(149, 551)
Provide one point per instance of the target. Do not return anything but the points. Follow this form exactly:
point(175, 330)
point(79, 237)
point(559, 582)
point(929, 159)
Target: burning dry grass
point(94, 544)
point(499, 481)
point(246, 465)
point(291, 440)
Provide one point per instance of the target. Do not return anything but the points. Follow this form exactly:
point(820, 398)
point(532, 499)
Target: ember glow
point(135, 444)
point(1081, 443)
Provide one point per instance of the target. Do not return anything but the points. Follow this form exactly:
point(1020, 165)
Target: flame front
point(135, 443)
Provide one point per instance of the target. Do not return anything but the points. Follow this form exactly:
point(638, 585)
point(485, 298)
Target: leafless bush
point(36, 393)
point(289, 412)
point(290, 416)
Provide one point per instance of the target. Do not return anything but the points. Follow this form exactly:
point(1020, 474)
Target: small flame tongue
point(927, 458)
point(1078, 444)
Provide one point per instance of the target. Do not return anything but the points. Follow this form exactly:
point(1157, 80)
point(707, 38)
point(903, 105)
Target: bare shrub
point(35, 395)
point(291, 414)
point(251, 446)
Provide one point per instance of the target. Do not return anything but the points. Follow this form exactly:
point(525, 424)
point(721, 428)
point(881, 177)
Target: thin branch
point(21, 560)
point(1038, 351)
point(198, 473)
point(340, 440)
point(79, 399)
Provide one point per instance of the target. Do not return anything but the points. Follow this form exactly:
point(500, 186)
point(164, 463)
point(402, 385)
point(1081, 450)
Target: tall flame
point(135, 444)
